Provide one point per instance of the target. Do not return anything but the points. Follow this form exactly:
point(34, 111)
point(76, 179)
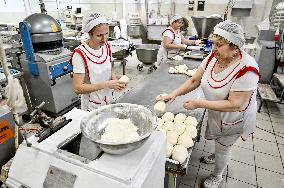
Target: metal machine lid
point(44, 28)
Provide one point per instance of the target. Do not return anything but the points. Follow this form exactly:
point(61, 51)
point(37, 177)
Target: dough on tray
point(124, 79)
point(179, 127)
point(179, 153)
point(185, 140)
point(190, 121)
point(160, 122)
point(169, 149)
point(168, 126)
point(192, 131)
point(180, 117)
point(168, 116)
point(160, 106)
point(172, 137)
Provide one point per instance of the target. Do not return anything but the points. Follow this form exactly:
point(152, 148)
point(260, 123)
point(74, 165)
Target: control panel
point(60, 69)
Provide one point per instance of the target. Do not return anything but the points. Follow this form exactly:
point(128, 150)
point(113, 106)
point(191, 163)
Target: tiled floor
point(256, 163)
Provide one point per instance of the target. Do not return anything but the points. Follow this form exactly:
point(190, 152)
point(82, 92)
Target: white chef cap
point(231, 31)
point(93, 20)
point(174, 18)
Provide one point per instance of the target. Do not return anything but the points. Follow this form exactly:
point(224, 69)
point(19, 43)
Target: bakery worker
point(93, 77)
point(228, 78)
point(173, 41)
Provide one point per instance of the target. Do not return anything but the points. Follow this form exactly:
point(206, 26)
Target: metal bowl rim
point(155, 124)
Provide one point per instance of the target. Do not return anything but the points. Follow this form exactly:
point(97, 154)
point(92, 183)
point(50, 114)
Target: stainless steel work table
point(160, 81)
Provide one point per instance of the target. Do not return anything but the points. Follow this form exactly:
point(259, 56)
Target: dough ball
point(185, 140)
point(179, 127)
point(160, 121)
point(172, 137)
point(168, 116)
point(168, 126)
point(160, 106)
point(180, 117)
point(172, 70)
point(160, 96)
point(124, 79)
point(191, 72)
point(179, 153)
point(190, 121)
point(160, 127)
point(191, 130)
point(169, 150)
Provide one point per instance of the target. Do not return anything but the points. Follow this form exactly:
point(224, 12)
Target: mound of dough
point(190, 121)
point(179, 153)
point(172, 137)
point(124, 79)
point(191, 72)
point(120, 130)
point(169, 149)
point(185, 140)
point(160, 107)
point(168, 116)
point(168, 126)
point(181, 68)
point(177, 58)
point(180, 117)
point(179, 127)
point(172, 70)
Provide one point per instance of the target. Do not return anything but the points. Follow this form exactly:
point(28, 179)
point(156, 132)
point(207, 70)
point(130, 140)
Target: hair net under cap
point(93, 20)
point(174, 18)
point(230, 31)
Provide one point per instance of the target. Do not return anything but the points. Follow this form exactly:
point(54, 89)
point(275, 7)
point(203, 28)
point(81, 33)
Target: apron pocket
point(232, 128)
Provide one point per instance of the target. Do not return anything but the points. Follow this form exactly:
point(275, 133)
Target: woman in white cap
point(93, 77)
point(228, 78)
point(173, 41)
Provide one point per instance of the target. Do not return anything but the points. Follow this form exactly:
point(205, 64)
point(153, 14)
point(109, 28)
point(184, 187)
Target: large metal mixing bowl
point(147, 53)
point(93, 126)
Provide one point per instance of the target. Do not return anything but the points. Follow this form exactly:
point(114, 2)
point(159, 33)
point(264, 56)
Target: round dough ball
point(185, 140)
point(169, 150)
point(190, 121)
point(124, 79)
point(160, 127)
point(180, 117)
point(179, 128)
point(160, 106)
point(179, 153)
point(168, 116)
point(172, 137)
point(160, 96)
point(160, 121)
point(192, 131)
point(168, 126)
point(164, 133)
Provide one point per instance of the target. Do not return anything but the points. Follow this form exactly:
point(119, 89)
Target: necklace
point(220, 66)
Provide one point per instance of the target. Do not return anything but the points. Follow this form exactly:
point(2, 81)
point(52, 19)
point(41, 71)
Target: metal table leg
point(172, 180)
point(123, 66)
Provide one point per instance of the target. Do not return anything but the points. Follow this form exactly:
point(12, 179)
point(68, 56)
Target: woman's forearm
point(221, 105)
point(89, 88)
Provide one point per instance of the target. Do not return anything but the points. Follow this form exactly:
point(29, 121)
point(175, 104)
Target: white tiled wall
point(14, 10)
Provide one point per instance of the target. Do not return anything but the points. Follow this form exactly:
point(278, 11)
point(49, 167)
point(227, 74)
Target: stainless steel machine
point(47, 70)
point(56, 162)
